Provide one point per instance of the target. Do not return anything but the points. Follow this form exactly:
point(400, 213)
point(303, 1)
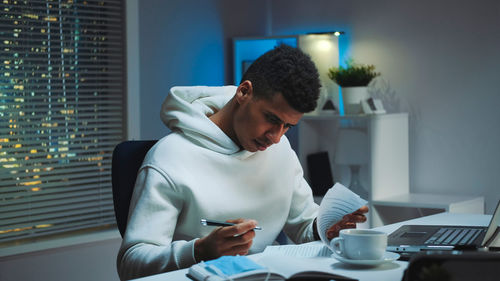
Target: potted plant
point(354, 80)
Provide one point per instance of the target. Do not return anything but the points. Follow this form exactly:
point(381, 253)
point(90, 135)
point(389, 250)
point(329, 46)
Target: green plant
point(354, 75)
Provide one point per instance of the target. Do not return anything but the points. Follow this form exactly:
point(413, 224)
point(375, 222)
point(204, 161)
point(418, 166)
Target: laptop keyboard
point(454, 236)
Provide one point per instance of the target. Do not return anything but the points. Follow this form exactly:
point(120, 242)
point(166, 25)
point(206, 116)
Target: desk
point(386, 272)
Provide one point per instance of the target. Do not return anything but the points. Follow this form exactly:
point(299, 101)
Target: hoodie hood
point(186, 110)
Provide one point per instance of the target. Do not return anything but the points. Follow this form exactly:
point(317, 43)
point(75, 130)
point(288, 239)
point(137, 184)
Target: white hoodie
point(197, 172)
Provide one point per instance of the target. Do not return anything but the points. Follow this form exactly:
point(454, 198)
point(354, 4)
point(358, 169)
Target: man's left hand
point(348, 221)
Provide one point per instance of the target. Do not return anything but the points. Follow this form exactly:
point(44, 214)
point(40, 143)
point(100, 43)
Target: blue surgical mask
point(230, 265)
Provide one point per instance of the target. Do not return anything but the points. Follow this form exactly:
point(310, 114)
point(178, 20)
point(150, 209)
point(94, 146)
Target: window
point(62, 94)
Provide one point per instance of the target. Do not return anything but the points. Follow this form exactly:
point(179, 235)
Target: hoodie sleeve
point(147, 246)
point(303, 210)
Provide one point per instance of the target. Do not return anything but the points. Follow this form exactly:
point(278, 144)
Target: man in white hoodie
point(226, 159)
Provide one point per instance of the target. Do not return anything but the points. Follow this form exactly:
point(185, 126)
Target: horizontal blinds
point(61, 114)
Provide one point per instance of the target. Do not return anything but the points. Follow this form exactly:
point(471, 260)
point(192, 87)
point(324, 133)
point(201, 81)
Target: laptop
point(409, 239)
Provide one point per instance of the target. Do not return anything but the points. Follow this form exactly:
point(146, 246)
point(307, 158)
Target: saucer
point(388, 257)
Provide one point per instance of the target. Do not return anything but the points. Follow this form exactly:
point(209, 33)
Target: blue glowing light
point(248, 50)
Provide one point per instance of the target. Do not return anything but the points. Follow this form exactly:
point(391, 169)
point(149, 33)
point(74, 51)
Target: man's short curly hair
point(288, 71)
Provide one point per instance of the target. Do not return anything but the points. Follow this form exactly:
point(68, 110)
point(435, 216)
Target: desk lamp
point(353, 150)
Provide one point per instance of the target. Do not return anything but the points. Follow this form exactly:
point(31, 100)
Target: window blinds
point(61, 114)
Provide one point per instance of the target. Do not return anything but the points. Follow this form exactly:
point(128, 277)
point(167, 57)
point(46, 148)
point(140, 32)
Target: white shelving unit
point(384, 173)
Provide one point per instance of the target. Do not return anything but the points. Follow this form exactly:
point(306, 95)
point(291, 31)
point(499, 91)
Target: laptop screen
point(494, 224)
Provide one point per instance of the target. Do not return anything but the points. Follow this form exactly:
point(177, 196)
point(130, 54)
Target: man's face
point(259, 123)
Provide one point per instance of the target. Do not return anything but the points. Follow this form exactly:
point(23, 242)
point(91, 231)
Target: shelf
point(450, 203)
point(386, 171)
point(330, 116)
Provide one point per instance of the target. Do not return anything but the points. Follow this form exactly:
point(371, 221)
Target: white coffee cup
point(360, 244)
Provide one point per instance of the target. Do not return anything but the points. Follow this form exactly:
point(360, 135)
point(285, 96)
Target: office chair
point(127, 159)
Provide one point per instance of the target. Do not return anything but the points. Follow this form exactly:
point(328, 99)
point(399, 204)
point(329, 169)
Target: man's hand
point(226, 241)
point(348, 221)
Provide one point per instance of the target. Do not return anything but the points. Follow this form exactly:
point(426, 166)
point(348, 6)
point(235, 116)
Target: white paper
point(308, 250)
point(337, 202)
point(288, 266)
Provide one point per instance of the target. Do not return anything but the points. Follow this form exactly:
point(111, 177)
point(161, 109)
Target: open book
point(271, 267)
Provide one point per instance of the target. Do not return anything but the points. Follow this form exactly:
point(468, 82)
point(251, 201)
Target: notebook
point(415, 238)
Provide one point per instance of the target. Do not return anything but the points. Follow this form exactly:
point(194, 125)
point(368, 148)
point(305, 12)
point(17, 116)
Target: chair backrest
point(127, 159)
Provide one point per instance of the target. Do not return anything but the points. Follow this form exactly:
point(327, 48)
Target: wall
point(186, 43)
point(180, 44)
point(440, 61)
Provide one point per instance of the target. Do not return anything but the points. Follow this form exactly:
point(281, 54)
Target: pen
point(206, 222)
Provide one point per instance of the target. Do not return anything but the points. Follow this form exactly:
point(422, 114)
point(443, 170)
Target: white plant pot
point(352, 97)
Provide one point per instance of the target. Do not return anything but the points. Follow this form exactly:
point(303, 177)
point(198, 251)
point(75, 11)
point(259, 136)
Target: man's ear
point(244, 91)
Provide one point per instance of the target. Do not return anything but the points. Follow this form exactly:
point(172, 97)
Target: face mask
point(230, 265)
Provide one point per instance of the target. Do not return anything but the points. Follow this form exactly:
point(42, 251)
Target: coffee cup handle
point(338, 245)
